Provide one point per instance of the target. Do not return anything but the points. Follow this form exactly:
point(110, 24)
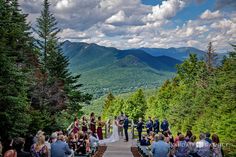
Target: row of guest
point(92, 124)
point(152, 126)
point(183, 146)
point(58, 145)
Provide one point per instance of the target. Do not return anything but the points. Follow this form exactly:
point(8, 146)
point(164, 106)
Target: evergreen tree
point(135, 105)
point(15, 50)
point(107, 105)
point(210, 57)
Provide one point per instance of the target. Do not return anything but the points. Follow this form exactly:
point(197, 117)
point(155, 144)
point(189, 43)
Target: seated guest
point(87, 141)
point(181, 149)
point(166, 137)
point(202, 146)
point(159, 147)
point(81, 145)
point(140, 128)
point(164, 125)
point(144, 141)
point(217, 150)
point(192, 145)
point(208, 135)
point(156, 126)
point(188, 135)
point(177, 138)
point(72, 141)
point(149, 125)
point(60, 148)
point(93, 140)
point(151, 137)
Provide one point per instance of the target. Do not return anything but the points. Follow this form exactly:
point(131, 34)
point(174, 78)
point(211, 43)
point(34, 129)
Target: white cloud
point(207, 15)
point(116, 18)
point(166, 10)
point(128, 23)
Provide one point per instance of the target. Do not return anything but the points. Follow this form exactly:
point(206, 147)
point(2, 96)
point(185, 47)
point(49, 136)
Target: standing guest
point(164, 125)
point(99, 128)
point(166, 137)
point(159, 147)
point(181, 149)
point(140, 128)
point(176, 140)
point(39, 149)
point(188, 135)
point(216, 147)
point(84, 124)
point(192, 145)
point(149, 125)
point(202, 146)
point(76, 125)
point(121, 119)
point(60, 148)
point(208, 135)
point(92, 123)
point(156, 126)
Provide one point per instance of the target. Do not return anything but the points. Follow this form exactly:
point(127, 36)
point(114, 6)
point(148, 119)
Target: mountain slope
point(107, 69)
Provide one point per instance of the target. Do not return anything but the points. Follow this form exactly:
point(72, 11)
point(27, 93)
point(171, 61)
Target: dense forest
point(37, 90)
point(201, 97)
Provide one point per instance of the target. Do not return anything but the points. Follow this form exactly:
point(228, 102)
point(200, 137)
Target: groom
point(126, 126)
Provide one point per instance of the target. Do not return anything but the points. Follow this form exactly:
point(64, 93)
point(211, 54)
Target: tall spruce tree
point(60, 89)
point(15, 49)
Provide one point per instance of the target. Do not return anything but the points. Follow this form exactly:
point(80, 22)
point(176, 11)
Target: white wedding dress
point(115, 135)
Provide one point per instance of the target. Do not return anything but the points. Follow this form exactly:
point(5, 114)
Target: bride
point(115, 135)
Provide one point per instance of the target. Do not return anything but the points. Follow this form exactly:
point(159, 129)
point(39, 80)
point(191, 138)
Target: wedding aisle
point(120, 149)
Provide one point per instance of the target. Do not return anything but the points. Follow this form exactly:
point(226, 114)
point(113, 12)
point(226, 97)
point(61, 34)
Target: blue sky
point(143, 23)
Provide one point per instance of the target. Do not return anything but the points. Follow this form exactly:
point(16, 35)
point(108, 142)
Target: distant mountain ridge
point(107, 69)
point(178, 53)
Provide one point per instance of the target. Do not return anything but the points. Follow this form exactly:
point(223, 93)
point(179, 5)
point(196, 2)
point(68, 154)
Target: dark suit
point(126, 126)
point(60, 149)
point(139, 129)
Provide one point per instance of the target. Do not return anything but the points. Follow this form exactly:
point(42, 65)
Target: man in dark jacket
point(60, 148)
point(149, 125)
point(164, 125)
point(156, 126)
point(126, 126)
point(140, 128)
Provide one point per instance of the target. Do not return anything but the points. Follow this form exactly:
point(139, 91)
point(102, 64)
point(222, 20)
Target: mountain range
point(105, 69)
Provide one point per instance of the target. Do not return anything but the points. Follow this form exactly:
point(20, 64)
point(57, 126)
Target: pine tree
point(107, 105)
point(210, 58)
point(60, 89)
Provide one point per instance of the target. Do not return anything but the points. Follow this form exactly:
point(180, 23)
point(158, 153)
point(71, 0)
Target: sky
point(128, 24)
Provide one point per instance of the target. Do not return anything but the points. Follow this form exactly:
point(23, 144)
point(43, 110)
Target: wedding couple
point(115, 131)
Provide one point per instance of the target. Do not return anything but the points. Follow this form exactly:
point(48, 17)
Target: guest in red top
point(76, 126)
point(84, 124)
point(99, 128)
point(92, 123)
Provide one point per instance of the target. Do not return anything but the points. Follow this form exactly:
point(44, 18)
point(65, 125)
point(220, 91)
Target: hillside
point(105, 69)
